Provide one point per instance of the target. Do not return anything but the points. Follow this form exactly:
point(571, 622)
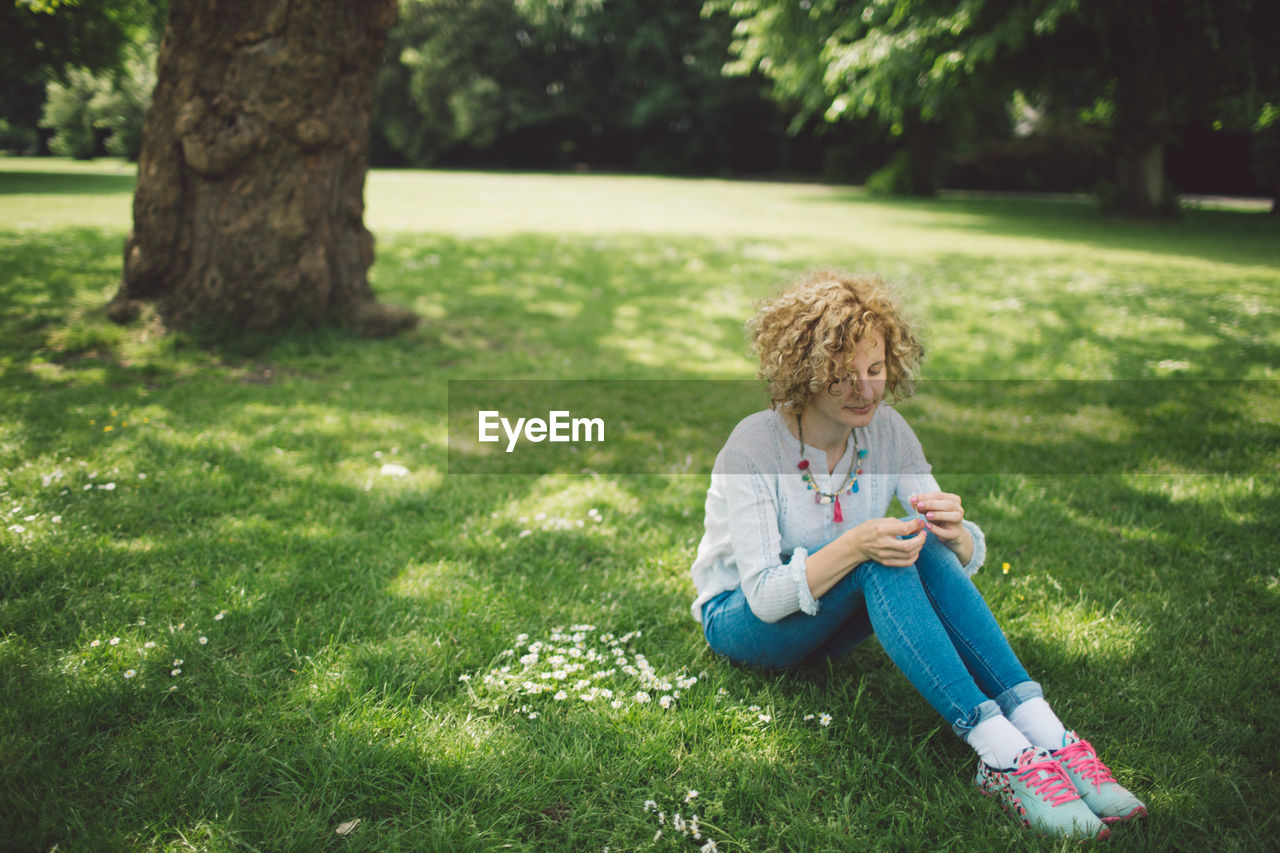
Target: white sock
point(1035, 719)
point(997, 742)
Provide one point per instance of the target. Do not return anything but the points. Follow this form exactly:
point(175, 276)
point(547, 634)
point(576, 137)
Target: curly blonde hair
point(805, 336)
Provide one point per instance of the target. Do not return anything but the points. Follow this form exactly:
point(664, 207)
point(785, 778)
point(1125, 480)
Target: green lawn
point(228, 507)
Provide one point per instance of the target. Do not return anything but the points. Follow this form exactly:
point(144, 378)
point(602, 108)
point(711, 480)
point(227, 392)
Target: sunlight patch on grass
point(429, 580)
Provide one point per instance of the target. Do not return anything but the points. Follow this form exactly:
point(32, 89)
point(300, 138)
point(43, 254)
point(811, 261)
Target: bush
point(122, 108)
point(894, 178)
point(91, 114)
point(16, 139)
point(68, 112)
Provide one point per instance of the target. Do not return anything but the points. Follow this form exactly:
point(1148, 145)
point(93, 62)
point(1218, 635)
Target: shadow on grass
point(65, 183)
point(1221, 237)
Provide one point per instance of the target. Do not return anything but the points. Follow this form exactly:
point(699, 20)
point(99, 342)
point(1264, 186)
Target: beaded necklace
point(851, 480)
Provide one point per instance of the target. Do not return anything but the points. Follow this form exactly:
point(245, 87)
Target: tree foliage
point(632, 83)
point(90, 111)
point(62, 41)
point(51, 36)
point(923, 65)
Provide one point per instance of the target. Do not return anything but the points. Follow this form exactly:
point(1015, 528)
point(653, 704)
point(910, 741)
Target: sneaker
point(1094, 782)
point(1038, 792)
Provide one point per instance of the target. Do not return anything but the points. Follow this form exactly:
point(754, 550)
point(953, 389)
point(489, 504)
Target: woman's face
point(852, 401)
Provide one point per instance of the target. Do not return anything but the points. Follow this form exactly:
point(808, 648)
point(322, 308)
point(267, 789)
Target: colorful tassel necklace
point(851, 481)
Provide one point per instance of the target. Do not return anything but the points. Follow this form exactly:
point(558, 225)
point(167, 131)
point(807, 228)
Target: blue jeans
point(930, 619)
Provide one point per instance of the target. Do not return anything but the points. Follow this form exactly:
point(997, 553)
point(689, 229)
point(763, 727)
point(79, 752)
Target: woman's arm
point(877, 539)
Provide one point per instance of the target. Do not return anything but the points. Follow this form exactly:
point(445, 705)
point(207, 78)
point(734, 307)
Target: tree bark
point(926, 142)
point(249, 207)
point(1140, 179)
point(1143, 122)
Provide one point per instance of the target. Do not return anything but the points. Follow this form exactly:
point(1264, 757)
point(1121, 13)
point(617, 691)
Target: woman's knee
point(937, 557)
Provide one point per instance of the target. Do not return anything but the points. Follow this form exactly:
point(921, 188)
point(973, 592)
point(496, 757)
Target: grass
point(160, 490)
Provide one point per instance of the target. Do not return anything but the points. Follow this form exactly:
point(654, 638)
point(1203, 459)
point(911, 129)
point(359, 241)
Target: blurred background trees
point(75, 75)
point(1133, 101)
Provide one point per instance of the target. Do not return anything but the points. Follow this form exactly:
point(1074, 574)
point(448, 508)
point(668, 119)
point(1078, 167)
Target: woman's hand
point(881, 540)
point(943, 513)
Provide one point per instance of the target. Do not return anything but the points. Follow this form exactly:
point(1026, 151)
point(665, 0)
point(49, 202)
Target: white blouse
point(762, 520)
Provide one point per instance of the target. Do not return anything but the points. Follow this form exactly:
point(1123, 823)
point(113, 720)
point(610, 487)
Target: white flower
point(824, 719)
point(616, 703)
point(204, 640)
point(560, 696)
point(221, 614)
point(665, 701)
point(808, 717)
point(709, 847)
point(57, 519)
point(650, 805)
point(391, 469)
point(177, 662)
point(115, 641)
point(95, 644)
point(765, 718)
point(130, 673)
point(642, 696)
point(176, 671)
point(150, 644)
point(464, 677)
point(689, 796)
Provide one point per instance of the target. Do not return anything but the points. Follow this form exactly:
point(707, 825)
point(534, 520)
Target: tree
point(68, 111)
point(249, 204)
point(1154, 62)
point(923, 68)
point(47, 40)
point(88, 106)
point(1155, 66)
point(622, 84)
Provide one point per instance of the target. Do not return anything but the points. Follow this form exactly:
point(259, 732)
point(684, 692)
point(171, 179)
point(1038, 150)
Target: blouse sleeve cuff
point(979, 547)
point(808, 604)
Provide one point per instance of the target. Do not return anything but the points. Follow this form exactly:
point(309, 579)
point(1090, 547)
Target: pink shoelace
point(1081, 757)
point(1049, 780)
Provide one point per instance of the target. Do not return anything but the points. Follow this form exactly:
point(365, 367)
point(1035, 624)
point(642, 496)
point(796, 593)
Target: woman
point(798, 560)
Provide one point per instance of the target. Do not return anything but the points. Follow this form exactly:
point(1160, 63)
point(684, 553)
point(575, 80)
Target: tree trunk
point(249, 207)
point(1143, 122)
point(1140, 179)
point(925, 152)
